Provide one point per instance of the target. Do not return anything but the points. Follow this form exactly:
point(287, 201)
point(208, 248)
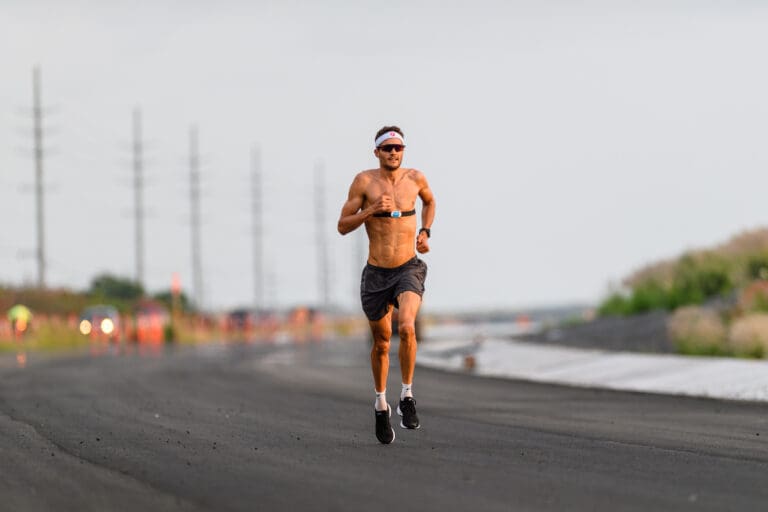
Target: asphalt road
point(291, 428)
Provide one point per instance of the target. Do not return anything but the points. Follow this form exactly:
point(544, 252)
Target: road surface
point(291, 427)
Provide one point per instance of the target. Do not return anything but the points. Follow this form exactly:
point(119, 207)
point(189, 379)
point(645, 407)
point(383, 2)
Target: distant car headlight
point(85, 327)
point(107, 326)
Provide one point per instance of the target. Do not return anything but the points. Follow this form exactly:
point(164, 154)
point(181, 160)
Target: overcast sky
point(566, 144)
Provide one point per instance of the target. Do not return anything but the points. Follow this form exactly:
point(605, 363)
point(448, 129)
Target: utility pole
point(138, 194)
point(37, 112)
point(320, 238)
point(194, 196)
point(258, 232)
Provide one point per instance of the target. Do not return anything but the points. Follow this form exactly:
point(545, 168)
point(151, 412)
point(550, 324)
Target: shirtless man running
point(384, 199)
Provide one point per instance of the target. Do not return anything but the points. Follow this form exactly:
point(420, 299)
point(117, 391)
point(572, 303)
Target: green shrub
point(648, 296)
point(694, 281)
point(109, 287)
point(698, 280)
point(615, 305)
point(757, 266)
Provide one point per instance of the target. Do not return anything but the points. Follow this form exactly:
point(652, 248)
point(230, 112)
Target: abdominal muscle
point(391, 241)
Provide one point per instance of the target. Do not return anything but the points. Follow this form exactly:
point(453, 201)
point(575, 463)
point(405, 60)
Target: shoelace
point(408, 406)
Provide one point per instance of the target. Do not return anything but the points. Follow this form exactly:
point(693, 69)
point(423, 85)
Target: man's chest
point(403, 192)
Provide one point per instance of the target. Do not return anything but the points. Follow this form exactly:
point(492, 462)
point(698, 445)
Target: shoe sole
point(400, 413)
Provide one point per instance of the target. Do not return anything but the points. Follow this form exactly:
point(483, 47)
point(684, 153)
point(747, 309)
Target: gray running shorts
point(380, 286)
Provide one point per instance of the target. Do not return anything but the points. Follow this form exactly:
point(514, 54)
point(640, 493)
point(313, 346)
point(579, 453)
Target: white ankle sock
point(381, 400)
point(406, 391)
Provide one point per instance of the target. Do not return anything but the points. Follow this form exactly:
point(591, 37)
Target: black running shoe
point(384, 431)
point(407, 409)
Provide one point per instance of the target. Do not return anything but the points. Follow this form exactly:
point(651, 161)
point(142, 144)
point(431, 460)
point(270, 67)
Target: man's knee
point(382, 332)
point(381, 346)
point(406, 328)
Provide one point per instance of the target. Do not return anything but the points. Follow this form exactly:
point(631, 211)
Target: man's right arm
point(351, 215)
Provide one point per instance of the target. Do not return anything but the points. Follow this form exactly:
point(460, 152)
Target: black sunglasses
point(388, 148)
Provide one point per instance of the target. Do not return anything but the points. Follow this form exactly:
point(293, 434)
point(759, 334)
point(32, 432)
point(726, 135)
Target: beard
point(387, 166)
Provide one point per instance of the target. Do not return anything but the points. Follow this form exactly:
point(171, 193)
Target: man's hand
point(383, 204)
point(422, 244)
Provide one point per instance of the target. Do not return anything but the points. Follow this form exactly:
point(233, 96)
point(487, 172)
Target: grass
point(47, 337)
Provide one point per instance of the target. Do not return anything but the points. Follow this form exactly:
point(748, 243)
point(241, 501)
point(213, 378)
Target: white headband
point(389, 135)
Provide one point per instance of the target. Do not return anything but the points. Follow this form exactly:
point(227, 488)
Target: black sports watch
point(427, 231)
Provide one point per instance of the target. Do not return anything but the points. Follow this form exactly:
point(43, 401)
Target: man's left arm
point(427, 215)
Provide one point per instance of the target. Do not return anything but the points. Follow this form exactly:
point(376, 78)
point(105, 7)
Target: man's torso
point(392, 240)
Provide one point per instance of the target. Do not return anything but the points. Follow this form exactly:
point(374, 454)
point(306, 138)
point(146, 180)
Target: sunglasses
point(388, 148)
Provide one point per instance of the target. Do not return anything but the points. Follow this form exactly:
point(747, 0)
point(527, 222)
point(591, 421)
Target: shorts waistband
point(392, 269)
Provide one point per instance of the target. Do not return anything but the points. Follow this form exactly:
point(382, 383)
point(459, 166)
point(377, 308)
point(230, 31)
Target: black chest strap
point(396, 214)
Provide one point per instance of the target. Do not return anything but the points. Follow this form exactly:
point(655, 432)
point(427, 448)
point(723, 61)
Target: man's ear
point(376, 152)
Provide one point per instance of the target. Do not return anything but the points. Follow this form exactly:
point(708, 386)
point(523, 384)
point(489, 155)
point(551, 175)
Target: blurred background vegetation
point(122, 293)
point(56, 312)
point(63, 319)
point(717, 297)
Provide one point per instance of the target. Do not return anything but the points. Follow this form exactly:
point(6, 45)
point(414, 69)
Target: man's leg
point(381, 330)
point(409, 303)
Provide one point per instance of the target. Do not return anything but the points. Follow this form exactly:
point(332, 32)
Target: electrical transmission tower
point(194, 197)
point(257, 209)
point(39, 152)
point(323, 270)
point(138, 194)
